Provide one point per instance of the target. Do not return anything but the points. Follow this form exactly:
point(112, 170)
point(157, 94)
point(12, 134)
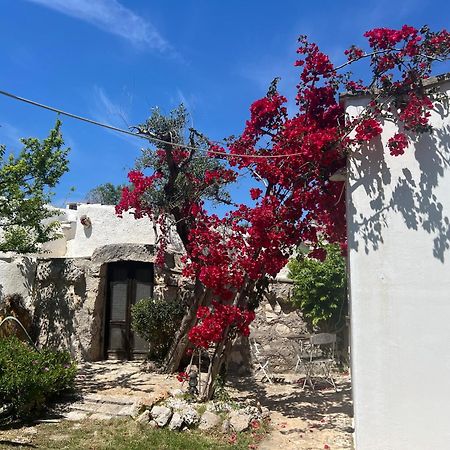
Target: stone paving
point(301, 419)
point(115, 389)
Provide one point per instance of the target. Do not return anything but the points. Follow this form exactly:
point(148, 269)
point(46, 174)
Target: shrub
point(320, 288)
point(157, 321)
point(28, 379)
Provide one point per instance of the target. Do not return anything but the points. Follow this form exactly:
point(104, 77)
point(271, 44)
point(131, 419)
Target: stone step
point(112, 399)
point(97, 405)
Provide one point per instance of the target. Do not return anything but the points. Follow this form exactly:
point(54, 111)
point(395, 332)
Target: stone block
point(161, 415)
point(144, 418)
point(208, 420)
point(239, 422)
point(176, 421)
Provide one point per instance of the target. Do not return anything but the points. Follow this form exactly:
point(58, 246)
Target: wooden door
point(128, 282)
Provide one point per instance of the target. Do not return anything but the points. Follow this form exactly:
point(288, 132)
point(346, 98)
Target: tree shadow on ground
point(292, 401)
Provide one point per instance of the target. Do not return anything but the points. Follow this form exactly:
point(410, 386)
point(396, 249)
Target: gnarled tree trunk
point(199, 297)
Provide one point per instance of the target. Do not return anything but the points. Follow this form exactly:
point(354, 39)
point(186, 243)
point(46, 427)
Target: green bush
point(320, 288)
point(157, 321)
point(28, 379)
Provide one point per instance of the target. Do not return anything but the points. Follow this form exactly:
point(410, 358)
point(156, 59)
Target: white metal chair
point(321, 359)
point(260, 361)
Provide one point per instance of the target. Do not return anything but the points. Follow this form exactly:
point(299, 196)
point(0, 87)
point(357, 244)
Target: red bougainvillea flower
point(397, 144)
point(367, 130)
point(318, 253)
point(182, 377)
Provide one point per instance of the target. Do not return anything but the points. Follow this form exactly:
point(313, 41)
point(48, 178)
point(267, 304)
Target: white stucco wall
point(399, 259)
point(106, 228)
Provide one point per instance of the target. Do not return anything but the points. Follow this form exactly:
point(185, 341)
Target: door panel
point(128, 282)
point(143, 280)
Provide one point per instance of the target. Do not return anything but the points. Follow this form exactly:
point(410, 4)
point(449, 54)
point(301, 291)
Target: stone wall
point(275, 331)
point(67, 298)
point(70, 293)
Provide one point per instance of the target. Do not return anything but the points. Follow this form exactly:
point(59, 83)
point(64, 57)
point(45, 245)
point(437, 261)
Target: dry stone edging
point(208, 421)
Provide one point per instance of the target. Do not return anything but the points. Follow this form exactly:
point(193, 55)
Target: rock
point(76, 415)
point(154, 397)
point(282, 329)
point(271, 316)
point(153, 424)
point(218, 407)
point(239, 421)
point(190, 416)
point(136, 409)
point(144, 418)
point(252, 411)
point(265, 412)
point(226, 427)
point(208, 420)
point(176, 392)
point(176, 422)
point(161, 415)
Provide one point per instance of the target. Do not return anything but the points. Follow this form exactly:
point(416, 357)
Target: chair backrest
point(323, 339)
point(322, 345)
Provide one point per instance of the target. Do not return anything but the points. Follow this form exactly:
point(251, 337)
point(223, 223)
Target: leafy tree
point(26, 181)
point(320, 287)
point(106, 194)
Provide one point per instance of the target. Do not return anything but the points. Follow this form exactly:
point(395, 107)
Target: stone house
point(81, 288)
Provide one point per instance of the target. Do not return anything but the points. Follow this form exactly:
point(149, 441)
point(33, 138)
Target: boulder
point(208, 420)
point(161, 415)
point(190, 416)
point(176, 422)
point(144, 418)
point(239, 421)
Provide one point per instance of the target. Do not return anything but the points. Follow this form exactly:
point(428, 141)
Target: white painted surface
point(106, 228)
point(16, 275)
point(399, 258)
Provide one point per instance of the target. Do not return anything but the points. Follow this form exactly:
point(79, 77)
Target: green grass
point(120, 435)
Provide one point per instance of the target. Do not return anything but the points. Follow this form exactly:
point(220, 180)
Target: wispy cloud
point(112, 17)
point(107, 110)
point(112, 112)
point(9, 135)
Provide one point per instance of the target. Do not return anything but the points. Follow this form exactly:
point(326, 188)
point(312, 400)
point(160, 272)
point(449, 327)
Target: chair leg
point(263, 368)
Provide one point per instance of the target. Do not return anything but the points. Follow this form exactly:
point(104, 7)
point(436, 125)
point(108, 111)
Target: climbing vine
point(291, 157)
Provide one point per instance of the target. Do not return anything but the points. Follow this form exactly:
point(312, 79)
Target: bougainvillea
point(292, 157)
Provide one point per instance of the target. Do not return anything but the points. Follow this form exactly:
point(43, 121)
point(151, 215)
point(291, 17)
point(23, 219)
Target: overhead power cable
point(138, 135)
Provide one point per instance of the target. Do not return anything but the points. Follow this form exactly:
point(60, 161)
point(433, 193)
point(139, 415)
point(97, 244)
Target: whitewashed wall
point(399, 259)
point(106, 228)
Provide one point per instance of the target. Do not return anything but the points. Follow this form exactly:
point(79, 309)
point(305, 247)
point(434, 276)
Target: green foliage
point(157, 321)
point(106, 194)
point(119, 434)
point(221, 393)
point(26, 181)
point(320, 288)
point(171, 192)
point(28, 379)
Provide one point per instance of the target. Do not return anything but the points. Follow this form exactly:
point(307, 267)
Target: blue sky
point(113, 60)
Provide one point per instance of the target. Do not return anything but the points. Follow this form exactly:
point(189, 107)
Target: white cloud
point(106, 110)
point(9, 136)
point(112, 17)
